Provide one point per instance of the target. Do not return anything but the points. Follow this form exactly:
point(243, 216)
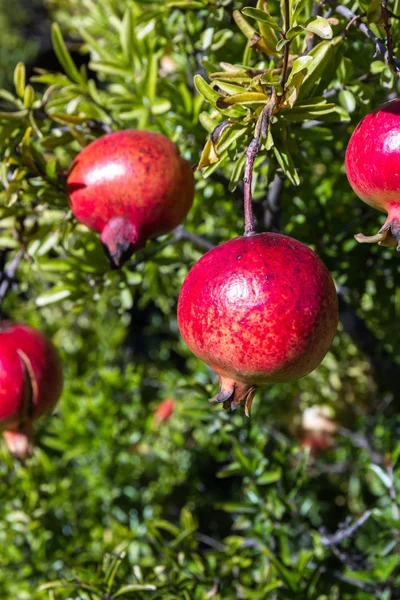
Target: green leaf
point(286, 163)
point(286, 575)
point(293, 32)
point(68, 119)
point(244, 98)
point(29, 96)
point(64, 56)
point(262, 16)
point(134, 587)
point(347, 100)
point(281, 44)
point(374, 11)
point(269, 477)
point(185, 4)
point(56, 294)
point(383, 476)
point(320, 70)
point(298, 9)
point(208, 93)
point(320, 27)
point(127, 34)
point(267, 32)
point(19, 79)
point(256, 41)
point(16, 115)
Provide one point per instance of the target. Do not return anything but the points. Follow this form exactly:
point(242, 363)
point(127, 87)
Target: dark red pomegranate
point(258, 309)
point(130, 186)
point(373, 169)
point(31, 382)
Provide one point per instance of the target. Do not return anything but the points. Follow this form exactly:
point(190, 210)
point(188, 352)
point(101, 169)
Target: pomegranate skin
point(129, 186)
point(373, 168)
point(259, 309)
point(31, 382)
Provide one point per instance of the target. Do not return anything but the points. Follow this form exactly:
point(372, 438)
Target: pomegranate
point(31, 382)
point(258, 309)
point(318, 429)
point(130, 186)
point(373, 169)
point(164, 411)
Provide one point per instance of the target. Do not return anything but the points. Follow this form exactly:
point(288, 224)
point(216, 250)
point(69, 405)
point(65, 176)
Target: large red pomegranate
point(373, 169)
point(258, 309)
point(31, 382)
point(130, 186)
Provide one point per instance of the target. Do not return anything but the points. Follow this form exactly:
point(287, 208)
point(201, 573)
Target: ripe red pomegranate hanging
point(130, 186)
point(31, 382)
point(258, 309)
point(373, 169)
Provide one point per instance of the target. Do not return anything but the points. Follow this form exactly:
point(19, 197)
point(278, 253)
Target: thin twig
point(181, 233)
point(9, 275)
point(386, 26)
point(345, 532)
point(380, 47)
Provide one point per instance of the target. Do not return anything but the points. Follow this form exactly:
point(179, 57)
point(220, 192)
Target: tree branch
point(345, 532)
point(386, 25)
point(380, 47)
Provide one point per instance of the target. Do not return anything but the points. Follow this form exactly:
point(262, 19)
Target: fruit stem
point(261, 132)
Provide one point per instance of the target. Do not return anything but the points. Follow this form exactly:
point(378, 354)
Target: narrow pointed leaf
point(64, 56)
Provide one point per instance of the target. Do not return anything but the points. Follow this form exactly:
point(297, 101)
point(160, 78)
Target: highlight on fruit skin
point(31, 383)
point(258, 309)
point(373, 169)
point(130, 186)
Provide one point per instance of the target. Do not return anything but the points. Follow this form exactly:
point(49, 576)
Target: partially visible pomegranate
point(164, 411)
point(31, 382)
point(318, 429)
point(130, 186)
point(373, 169)
point(258, 309)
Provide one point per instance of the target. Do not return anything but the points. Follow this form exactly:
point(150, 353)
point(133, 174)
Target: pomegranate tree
point(130, 186)
point(258, 309)
point(373, 169)
point(31, 382)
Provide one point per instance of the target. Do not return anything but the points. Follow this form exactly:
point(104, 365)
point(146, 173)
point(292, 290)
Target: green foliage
point(206, 504)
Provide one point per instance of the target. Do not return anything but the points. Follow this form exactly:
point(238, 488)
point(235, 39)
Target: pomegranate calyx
point(233, 393)
point(388, 235)
point(120, 239)
point(20, 442)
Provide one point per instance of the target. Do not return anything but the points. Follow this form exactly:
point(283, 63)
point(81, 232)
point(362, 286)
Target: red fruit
point(373, 169)
point(164, 411)
point(31, 382)
point(258, 309)
point(318, 429)
point(130, 186)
